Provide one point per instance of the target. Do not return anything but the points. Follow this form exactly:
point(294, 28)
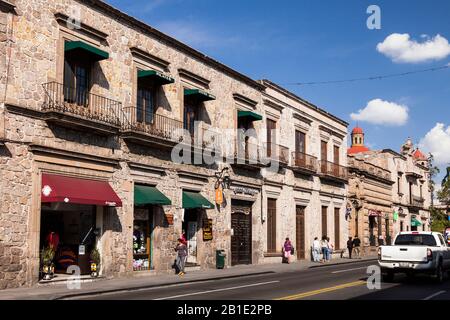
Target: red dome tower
point(357, 141)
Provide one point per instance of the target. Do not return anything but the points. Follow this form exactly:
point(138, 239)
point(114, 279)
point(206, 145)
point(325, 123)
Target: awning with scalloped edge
point(56, 188)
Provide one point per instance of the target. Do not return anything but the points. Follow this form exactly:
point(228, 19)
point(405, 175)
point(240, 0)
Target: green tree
point(440, 217)
point(444, 194)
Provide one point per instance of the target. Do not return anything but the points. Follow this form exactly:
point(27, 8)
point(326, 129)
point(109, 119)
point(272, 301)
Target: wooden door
point(145, 104)
point(324, 221)
point(76, 82)
point(241, 239)
point(271, 137)
point(300, 148)
point(337, 229)
point(271, 225)
point(190, 116)
point(336, 160)
point(323, 155)
point(300, 232)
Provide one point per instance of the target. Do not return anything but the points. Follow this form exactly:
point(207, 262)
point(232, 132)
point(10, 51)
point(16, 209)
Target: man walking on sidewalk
point(350, 247)
point(356, 245)
point(316, 250)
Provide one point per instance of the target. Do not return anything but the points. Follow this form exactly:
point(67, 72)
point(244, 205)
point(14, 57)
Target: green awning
point(155, 76)
point(84, 50)
point(252, 116)
point(199, 94)
point(149, 195)
point(193, 200)
point(415, 223)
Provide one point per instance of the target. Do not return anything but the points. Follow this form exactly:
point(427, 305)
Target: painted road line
point(217, 290)
point(324, 290)
point(435, 295)
point(346, 270)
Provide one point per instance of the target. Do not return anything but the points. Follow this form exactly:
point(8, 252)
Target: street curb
point(337, 264)
point(93, 293)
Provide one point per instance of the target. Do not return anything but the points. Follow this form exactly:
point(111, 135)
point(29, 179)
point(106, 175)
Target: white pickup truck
point(415, 252)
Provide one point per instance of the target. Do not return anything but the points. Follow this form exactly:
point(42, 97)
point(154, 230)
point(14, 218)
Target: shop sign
point(219, 196)
point(245, 190)
point(395, 216)
point(207, 230)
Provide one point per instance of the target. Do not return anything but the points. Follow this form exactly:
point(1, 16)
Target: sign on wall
point(207, 230)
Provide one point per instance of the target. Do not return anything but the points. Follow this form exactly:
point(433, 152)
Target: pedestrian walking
point(350, 247)
point(288, 249)
point(182, 252)
point(356, 247)
point(330, 249)
point(316, 250)
point(324, 247)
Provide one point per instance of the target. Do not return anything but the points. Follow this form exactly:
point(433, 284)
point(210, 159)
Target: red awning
point(74, 190)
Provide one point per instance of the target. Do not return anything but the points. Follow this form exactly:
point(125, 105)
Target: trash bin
point(220, 259)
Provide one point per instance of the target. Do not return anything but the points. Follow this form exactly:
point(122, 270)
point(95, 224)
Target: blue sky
point(304, 41)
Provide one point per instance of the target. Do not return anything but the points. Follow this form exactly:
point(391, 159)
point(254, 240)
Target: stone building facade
point(96, 100)
point(388, 191)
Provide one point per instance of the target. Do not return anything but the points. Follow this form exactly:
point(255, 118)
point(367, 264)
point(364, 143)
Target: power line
point(379, 77)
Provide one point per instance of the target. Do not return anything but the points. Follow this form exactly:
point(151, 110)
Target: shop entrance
point(241, 237)
point(142, 239)
point(190, 229)
point(70, 230)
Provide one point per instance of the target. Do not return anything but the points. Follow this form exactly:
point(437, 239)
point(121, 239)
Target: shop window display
point(141, 240)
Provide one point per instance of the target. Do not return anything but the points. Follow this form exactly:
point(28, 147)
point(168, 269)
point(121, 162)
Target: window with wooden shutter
point(337, 228)
point(271, 225)
point(324, 221)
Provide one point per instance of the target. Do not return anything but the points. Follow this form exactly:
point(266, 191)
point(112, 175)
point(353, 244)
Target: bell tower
point(357, 137)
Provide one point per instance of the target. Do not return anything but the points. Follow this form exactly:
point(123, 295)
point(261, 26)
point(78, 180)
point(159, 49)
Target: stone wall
point(37, 58)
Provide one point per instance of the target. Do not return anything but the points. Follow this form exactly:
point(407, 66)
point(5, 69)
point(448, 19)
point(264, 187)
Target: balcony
point(417, 202)
point(80, 109)
point(277, 153)
point(150, 129)
point(304, 163)
point(247, 154)
point(333, 171)
point(370, 169)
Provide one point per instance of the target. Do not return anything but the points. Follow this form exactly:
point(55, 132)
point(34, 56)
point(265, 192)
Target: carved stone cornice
point(62, 19)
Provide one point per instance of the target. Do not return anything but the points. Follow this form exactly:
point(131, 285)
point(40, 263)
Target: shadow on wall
point(4, 152)
point(108, 142)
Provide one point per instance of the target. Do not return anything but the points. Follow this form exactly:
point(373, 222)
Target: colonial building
point(370, 196)
point(119, 138)
point(388, 191)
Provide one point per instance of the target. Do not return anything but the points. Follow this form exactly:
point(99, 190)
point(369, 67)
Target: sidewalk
point(60, 291)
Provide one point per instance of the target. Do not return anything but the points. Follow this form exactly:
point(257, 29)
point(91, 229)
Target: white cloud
point(437, 141)
point(382, 112)
point(400, 48)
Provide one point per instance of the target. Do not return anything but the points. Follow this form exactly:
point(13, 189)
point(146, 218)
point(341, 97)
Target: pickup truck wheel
point(388, 276)
point(439, 274)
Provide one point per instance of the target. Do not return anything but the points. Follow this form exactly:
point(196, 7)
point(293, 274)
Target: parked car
point(415, 252)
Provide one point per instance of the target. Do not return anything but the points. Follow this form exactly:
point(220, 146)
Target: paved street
point(339, 282)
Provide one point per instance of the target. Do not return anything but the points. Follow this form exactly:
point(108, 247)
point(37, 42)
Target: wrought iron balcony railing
point(79, 102)
point(304, 161)
point(249, 152)
point(138, 120)
point(332, 169)
point(417, 201)
point(277, 152)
